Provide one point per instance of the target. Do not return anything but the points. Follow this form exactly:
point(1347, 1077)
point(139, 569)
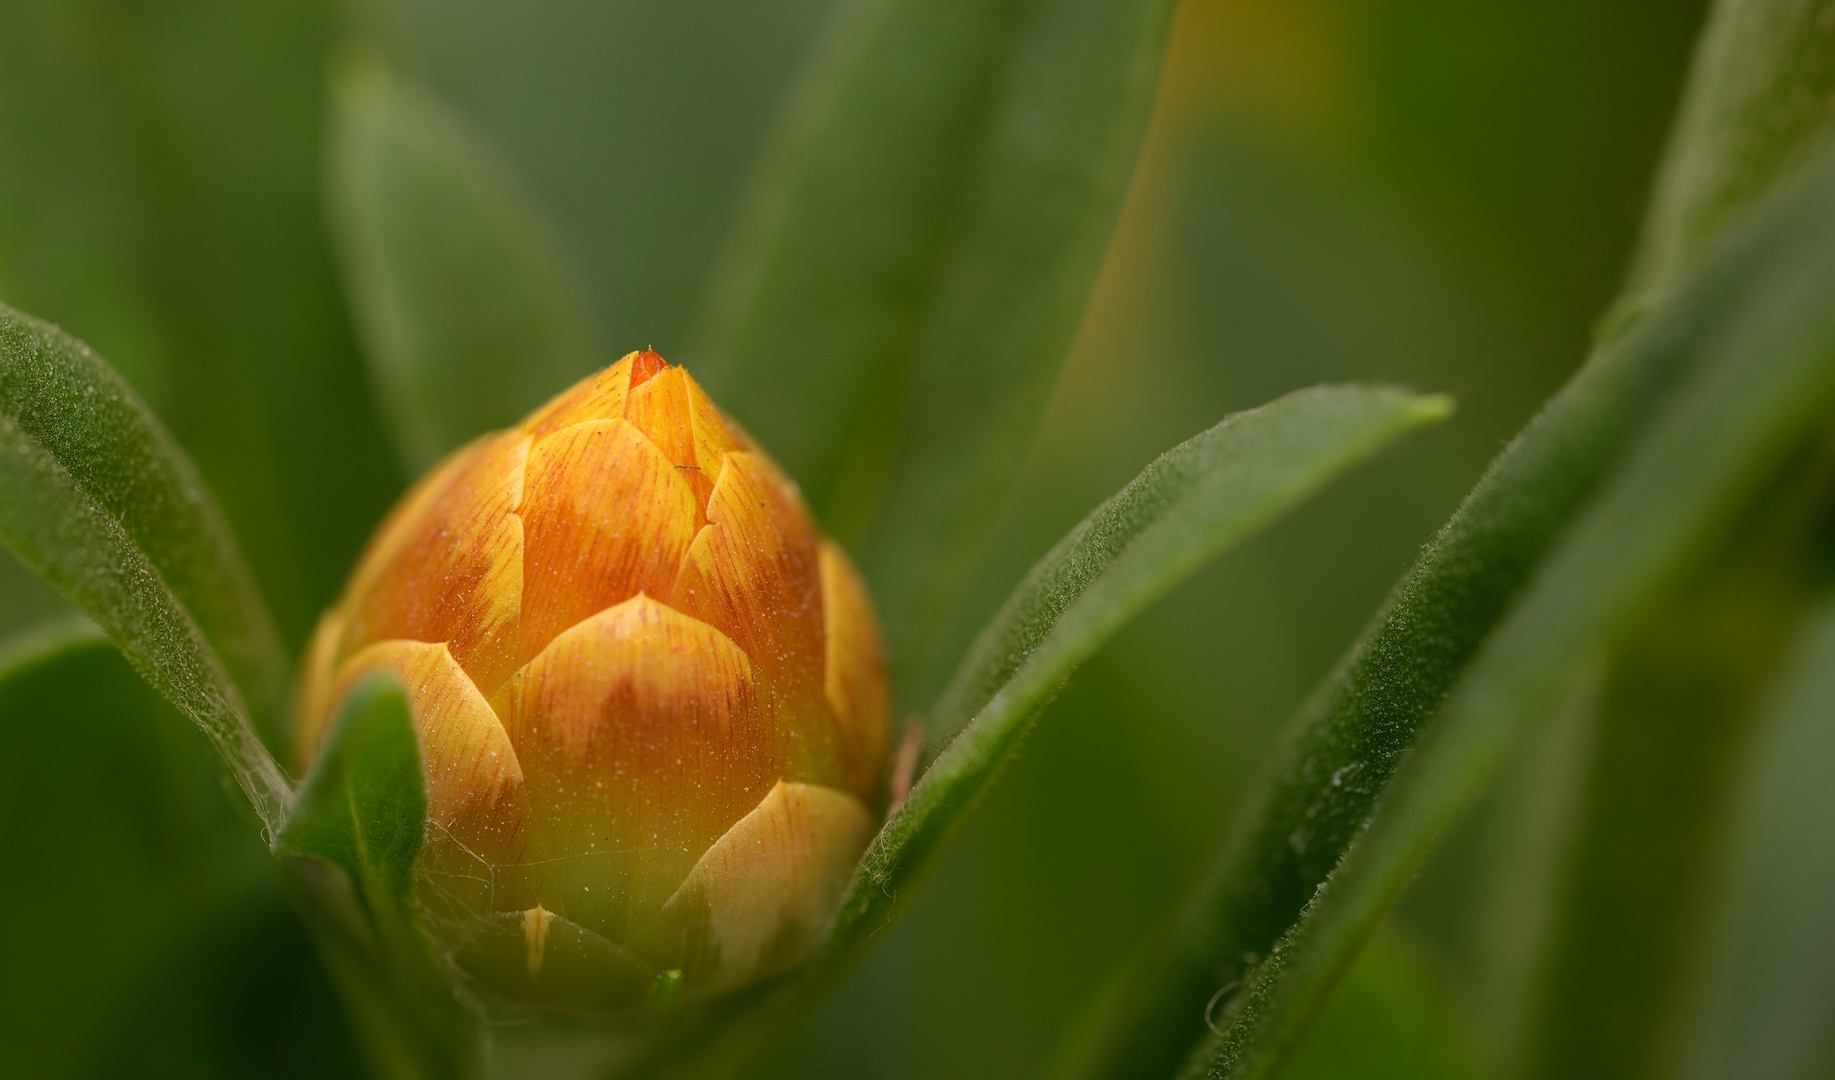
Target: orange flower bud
point(650, 696)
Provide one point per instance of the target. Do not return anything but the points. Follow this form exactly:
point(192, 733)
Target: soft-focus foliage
point(908, 269)
point(1756, 335)
point(203, 971)
point(467, 305)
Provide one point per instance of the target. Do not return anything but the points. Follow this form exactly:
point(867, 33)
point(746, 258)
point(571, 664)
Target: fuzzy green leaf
point(1191, 504)
point(1195, 501)
point(102, 504)
point(468, 310)
point(364, 807)
point(913, 261)
point(1349, 737)
point(1759, 323)
point(360, 820)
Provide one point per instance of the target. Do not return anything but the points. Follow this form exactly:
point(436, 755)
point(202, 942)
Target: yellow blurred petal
point(604, 517)
point(758, 900)
point(644, 735)
point(854, 676)
point(456, 573)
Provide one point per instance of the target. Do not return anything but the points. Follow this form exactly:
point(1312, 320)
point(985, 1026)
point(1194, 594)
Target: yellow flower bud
point(650, 696)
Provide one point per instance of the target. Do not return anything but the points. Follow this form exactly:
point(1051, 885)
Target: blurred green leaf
point(152, 937)
point(1759, 96)
point(1195, 501)
point(469, 313)
point(1766, 1010)
point(359, 820)
point(1391, 1019)
point(912, 264)
point(1759, 322)
point(101, 504)
point(160, 198)
point(1365, 717)
point(1675, 705)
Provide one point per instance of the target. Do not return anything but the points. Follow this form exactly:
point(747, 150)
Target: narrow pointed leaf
point(1348, 738)
point(913, 261)
point(469, 313)
point(1195, 501)
point(99, 502)
point(1759, 318)
point(1191, 504)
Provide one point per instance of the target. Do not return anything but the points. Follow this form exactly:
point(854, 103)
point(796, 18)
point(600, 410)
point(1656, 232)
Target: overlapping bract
point(650, 696)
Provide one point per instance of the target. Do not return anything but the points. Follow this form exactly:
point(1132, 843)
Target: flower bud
point(650, 696)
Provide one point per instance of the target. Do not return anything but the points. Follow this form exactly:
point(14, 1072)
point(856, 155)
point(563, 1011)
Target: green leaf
point(1191, 504)
point(157, 918)
point(1674, 704)
point(469, 313)
point(912, 263)
point(1195, 501)
point(1348, 738)
point(1392, 1017)
point(163, 202)
point(1759, 322)
point(100, 503)
point(364, 808)
point(1767, 1005)
point(363, 811)
point(1759, 97)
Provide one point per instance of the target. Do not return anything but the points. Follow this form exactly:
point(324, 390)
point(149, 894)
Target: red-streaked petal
point(597, 397)
point(660, 409)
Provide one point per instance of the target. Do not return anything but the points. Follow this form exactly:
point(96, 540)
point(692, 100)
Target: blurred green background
point(1422, 191)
